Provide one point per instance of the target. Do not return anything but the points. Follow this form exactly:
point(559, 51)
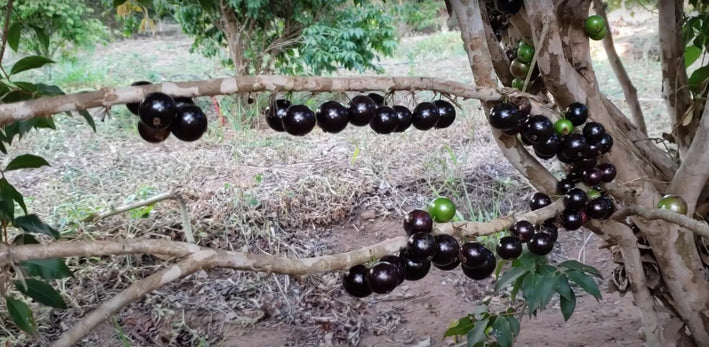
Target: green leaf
point(42, 37)
point(510, 276)
point(49, 269)
point(696, 80)
point(10, 191)
point(568, 305)
point(528, 261)
point(32, 224)
point(24, 239)
point(45, 123)
point(7, 207)
point(530, 292)
point(547, 286)
point(578, 266)
point(41, 292)
point(477, 335)
point(585, 282)
point(89, 119)
point(21, 315)
point(117, 3)
point(459, 327)
point(28, 63)
point(26, 161)
point(691, 54)
point(563, 288)
point(514, 324)
point(502, 331)
point(13, 36)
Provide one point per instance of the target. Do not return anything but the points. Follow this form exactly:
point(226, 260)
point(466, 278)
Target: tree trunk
point(229, 24)
point(674, 75)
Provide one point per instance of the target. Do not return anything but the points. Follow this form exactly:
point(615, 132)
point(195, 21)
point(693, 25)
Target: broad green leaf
point(45, 123)
point(89, 119)
point(528, 261)
point(26, 161)
point(563, 287)
point(24, 239)
point(547, 286)
point(49, 89)
point(459, 327)
point(514, 324)
point(691, 54)
point(578, 266)
point(13, 36)
point(7, 207)
point(477, 335)
point(509, 277)
point(502, 331)
point(516, 287)
point(42, 37)
point(28, 63)
point(530, 292)
point(10, 191)
point(585, 282)
point(568, 305)
point(41, 292)
point(2, 148)
point(696, 80)
point(49, 269)
point(21, 315)
point(32, 224)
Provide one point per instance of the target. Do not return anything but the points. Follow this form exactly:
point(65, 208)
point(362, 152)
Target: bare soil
point(260, 191)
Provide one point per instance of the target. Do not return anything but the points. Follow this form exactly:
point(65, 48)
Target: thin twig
point(699, 228)
point(631, 94)
point(5, 32)
point(542, 37)
point(186, 224)
point(194, 262)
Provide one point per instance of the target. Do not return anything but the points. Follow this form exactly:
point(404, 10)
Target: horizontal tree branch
point(107, 97)
point(699, 228)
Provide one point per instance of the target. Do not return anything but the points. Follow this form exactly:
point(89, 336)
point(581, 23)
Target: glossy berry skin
point(584, 164)
point(540, 244)
point(599, 36)
point(608, 172)
point(523, 230)
point(299, 120)
point(415, 270)
point(576, 147)
point(153, 135)
point(519, 69)
point(275, 114)
point(425, 116)
point(361, 110)
point(133, 106)
point(472, 254)
point(525, 52)
point(448, 249)
point(400, 266)
point(504, 116)
point(511, 54)
point(594, 24)
point(538, 129)
point(575, 176)
point(448, 267)
point(382, 277)
point(384, 121)
point(446, 114)
point(593, 132)
point(509, 6)
point(611, 206)
point(592, 177)
point(403, 115)
point(552, 230)
point(524, 107)
point(542, 155)
point(674, 203)
point(332, 117)
point(189, 123)
point(377, 98)
point(355, 281)
point(421, 247)
point(442, 210)
point(575, 199)
point(605, 144)
point(539, 200)
point(156, 110)
point(182, 101)
point(564, 186)
point(418, 221)
point(577, 113)
point(483, 268)
point(571, 220)
point(550, 146)
point(509, 247)
point(517, 83)
point(597, 208)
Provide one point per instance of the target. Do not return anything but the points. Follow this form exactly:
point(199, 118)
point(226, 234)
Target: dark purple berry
point(418, 221)
point(509, 247)
point(448, 249)
point(421, 247)
point(355, 281)
point(523, 230)
point(382, 277)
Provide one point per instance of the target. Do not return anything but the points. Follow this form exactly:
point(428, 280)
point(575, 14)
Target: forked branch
point(697, 227)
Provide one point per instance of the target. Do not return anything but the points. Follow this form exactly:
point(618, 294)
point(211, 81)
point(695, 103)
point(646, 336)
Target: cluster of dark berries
point(160, 114)
point(333, 117)
point(498, 16)
point(413, 263)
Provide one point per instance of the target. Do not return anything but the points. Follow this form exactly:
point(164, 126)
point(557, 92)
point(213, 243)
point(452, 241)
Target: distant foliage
point(416, 15)
point(290, 37)
point(52, 27)
point(695, 33)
